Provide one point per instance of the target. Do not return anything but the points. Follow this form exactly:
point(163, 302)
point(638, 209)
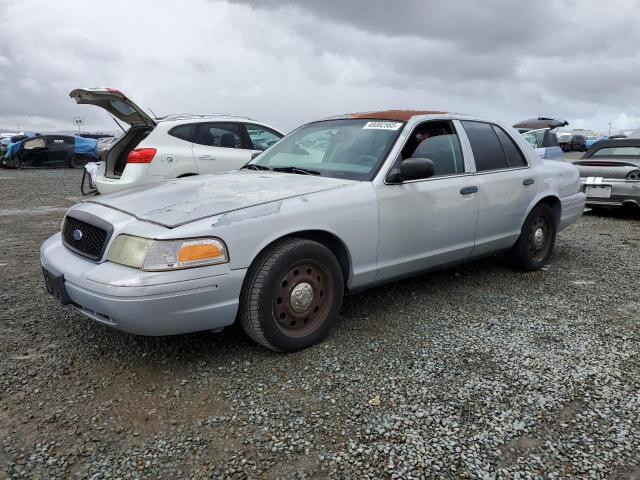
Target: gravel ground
point(472, 372)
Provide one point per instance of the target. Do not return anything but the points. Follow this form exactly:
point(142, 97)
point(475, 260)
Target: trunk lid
point(115, 102)
point(176, 202)
point(606, 167)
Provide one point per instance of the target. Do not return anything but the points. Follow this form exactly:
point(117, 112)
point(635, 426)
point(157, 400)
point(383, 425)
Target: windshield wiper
point(302, 171)
point(253, 166)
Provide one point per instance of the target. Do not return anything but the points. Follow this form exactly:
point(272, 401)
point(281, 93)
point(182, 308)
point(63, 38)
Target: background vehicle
point(341, 204)
point(153, 149)
point(104, 144)
point(540, 133)
point(577, 142)
point(52, 151)
point(590, 141)
point(610, 173)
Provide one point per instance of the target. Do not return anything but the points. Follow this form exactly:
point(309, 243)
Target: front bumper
point(146, 303)
point(623, 192)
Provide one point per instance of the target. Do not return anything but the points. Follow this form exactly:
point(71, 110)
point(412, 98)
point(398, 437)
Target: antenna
point(154, 113)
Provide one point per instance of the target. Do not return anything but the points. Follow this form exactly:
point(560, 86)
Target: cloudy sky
point(287, 62)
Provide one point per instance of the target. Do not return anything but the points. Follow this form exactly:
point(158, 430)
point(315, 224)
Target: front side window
point(438, 142)
point(35, 143)
point(347, 148)
point(262, 137)
point(487, 149)
point(226, 135)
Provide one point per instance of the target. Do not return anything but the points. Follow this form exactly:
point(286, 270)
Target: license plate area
point(54, 283)
point(598, 191)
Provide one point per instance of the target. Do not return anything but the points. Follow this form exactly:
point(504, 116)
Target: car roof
point(398, 115)
point(181, 118)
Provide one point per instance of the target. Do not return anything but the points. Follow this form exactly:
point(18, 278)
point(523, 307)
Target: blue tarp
point(86, 146)
point(14, 148)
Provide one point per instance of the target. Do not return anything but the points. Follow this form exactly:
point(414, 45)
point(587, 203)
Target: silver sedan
point(337, 206)
point(610, 172)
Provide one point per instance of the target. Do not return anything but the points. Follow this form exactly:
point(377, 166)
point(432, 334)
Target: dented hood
point(176, 202)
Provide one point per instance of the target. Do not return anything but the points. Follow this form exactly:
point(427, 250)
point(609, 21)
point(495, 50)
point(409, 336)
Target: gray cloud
point(287, 62)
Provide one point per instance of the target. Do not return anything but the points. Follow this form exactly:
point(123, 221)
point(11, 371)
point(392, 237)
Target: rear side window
point(487, 149)
point(183, 132)
point(226, 135)
point(511, 150)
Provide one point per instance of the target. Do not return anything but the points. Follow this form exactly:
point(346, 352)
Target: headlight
point(155, 255)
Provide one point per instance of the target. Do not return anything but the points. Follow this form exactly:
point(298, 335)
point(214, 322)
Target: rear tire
point(537, 237)
point(292, 295)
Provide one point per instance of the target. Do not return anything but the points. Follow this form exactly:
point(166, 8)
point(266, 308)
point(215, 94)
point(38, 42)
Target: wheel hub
point(301, 297)
point(538, 238)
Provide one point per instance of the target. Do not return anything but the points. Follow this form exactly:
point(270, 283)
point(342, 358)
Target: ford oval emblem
point(77, 235)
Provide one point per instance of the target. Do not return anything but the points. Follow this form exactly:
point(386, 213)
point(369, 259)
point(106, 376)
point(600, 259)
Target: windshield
point(351, 148)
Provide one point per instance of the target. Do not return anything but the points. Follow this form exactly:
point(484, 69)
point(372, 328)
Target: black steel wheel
point(292, 295)
point(537, 237)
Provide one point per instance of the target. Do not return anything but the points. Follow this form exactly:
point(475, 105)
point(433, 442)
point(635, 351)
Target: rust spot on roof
point(399, 115)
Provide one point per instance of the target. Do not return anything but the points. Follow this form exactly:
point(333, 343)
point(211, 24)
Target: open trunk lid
point(115, 102)
point(539, 123)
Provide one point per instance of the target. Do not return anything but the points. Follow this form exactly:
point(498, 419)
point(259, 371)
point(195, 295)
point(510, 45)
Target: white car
point(175, 146)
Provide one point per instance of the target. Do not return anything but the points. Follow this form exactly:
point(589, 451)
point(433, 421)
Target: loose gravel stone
point(473, 372)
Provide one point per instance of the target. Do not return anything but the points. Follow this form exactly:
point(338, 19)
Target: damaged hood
point(176, 202)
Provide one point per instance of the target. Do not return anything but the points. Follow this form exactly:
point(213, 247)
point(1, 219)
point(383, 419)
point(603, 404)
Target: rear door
point(60, 149)
point(506, 186)
point(220, 146)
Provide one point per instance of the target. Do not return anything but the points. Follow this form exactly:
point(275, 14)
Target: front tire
point(537, 237)
point(292, 295)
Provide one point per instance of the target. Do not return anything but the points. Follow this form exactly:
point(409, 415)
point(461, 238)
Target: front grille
point(90, 240)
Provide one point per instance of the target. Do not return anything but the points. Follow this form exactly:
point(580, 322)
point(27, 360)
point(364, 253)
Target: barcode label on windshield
point(382, 125)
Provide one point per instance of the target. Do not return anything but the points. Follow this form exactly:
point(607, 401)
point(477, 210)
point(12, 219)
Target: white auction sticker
point(382, 125)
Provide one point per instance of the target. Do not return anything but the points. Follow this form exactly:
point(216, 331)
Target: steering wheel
point(367, 160)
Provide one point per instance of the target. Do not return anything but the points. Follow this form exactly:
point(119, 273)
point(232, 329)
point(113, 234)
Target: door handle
point(528, 181)
point(206, 157)
point(468, 190)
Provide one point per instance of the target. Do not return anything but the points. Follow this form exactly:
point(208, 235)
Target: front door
point(431, 222)
point(218, 147)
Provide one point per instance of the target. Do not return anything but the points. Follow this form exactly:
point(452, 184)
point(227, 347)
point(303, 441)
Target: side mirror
point(412, 169)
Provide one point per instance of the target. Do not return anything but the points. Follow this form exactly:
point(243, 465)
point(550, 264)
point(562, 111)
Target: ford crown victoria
point(337, 206)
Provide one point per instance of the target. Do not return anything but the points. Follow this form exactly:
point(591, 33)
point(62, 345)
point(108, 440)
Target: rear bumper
point(623, 192)
point(132, 176)
point(572, 208)
point(147, 303)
